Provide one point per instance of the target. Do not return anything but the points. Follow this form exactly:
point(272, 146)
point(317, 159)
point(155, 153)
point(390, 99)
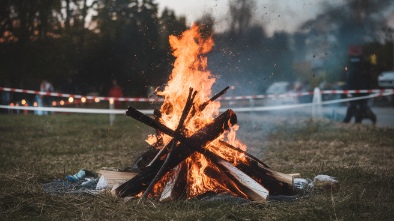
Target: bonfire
point(195, 147)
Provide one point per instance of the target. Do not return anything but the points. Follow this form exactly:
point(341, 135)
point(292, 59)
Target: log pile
point(164, 170)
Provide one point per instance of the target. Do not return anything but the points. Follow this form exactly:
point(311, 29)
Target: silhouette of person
point(358, 78)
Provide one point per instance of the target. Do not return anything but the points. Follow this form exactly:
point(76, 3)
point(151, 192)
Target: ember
point(196, 147)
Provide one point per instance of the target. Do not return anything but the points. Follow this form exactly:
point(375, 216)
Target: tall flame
point(190, 71)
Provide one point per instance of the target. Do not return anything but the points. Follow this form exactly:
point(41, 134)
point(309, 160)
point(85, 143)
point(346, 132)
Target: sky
point(276, 15)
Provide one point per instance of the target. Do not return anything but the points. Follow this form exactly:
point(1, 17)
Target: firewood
point(216, 96)
point(183, 149)
point(276, 183)
point(185, 112)
point(114, 177)
point(175, 188)
point(253, 189)
point(157, 114)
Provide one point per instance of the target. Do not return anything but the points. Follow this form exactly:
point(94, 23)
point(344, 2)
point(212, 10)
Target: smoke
point(328, 36)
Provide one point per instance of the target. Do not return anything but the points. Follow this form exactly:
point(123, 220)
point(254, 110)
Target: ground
point(38, 149)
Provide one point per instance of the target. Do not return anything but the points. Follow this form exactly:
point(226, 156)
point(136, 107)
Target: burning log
point(185, 112)
point(199, 139)
point(232, 179)
point(175, 188)
point(249, 186)
point(157, 114)
point(277, 183)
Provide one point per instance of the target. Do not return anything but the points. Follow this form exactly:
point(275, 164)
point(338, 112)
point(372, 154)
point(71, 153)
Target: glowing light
point(111, 101)
point(23, 102)
point(70, 99)
point(12, 104)
point(345, 68)
point(97, 99)
point(35, 104)
point(62, 102)
point(83, 99)
point(54, 103)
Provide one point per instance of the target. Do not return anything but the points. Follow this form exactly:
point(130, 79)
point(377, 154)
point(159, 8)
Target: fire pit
point(195, 150)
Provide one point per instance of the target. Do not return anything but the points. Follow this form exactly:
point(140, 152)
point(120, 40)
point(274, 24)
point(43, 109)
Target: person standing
point(358, 78)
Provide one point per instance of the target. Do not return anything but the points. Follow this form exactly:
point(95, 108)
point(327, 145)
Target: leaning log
point(184, 148)
point(276, 182)
point(175, 188)
point(254, 190)
point(161, 172)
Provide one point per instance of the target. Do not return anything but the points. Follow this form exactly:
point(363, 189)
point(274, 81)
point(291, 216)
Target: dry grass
point(38, 149)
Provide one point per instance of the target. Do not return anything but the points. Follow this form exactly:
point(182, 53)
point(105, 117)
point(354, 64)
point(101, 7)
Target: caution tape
point(131, 99)
point(291, 106)
point(75, 96)
point(71, 110)
point(150, 111)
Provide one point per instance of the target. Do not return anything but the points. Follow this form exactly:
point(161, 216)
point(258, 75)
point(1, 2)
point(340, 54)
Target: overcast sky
point(276, 14)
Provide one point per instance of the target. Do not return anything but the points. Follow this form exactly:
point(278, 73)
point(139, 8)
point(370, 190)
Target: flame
point(190, 71)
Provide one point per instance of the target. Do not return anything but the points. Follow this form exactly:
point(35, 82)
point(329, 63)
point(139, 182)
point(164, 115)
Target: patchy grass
point(38, 149)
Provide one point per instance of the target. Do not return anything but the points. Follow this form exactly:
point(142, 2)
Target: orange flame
point(190, 71)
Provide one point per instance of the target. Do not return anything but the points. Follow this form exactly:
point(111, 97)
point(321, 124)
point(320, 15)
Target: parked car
point(386, 79)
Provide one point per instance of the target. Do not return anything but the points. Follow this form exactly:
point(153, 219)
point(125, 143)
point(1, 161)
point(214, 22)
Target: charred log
point(175, 189)
point(182, 150)
point(162, 171)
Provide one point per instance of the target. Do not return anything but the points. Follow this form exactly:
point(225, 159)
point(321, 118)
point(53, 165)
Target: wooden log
point(253, 189)
point(183, 149)
point(157, 114)
point(175, 189)
point(162, 170)
point(116, 177)
point(225, 184)
point(276, 183)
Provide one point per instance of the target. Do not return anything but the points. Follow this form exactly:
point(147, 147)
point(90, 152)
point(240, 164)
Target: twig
point(216, 96)
point(205, 104)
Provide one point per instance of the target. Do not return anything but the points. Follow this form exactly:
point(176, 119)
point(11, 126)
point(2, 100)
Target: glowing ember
point(190, 71)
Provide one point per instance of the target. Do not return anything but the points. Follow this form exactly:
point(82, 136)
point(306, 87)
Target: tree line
point(88, 44)
point(81, 45)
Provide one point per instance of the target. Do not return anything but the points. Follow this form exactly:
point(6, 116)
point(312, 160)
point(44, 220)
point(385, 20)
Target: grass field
point(38, 149)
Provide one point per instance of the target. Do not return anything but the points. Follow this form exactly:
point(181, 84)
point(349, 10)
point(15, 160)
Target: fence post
point(111, 115)
point(251, 114)
point(317, 107)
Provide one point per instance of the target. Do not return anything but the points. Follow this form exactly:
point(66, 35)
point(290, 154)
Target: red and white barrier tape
point(241, 109)
point(53, 94)
point(130, 99)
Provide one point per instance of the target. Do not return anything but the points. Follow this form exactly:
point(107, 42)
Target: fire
point(190, 71)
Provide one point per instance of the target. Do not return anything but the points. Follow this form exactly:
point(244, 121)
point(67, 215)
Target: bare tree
point(241, 16)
